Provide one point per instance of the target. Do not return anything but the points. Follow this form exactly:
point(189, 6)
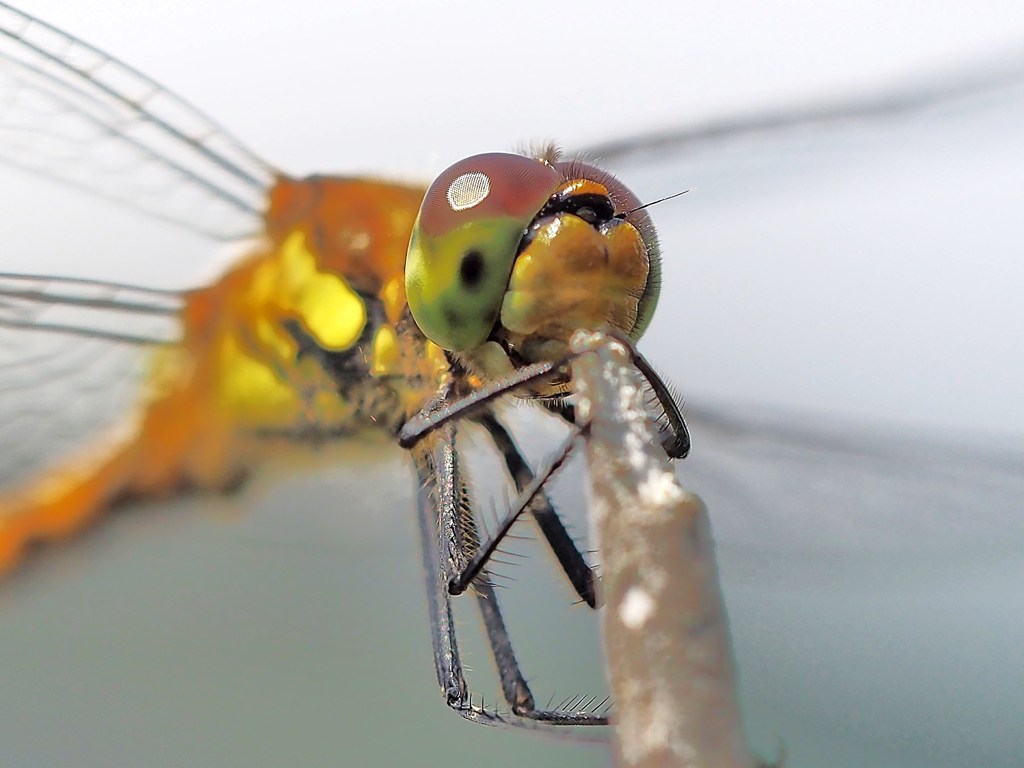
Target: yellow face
point(520, 253)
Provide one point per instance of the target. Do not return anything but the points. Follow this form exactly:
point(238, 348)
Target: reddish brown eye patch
point(486, 186)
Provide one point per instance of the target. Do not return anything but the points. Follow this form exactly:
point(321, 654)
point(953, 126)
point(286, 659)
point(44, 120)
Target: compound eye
point(465, 241)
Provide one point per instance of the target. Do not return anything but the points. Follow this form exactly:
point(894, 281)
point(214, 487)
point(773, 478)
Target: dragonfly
point(745, 474)
point(367, 306)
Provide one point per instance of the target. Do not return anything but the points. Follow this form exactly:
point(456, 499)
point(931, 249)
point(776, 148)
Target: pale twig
point(665, 632)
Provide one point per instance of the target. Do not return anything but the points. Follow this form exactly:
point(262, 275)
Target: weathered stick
point(665, 633)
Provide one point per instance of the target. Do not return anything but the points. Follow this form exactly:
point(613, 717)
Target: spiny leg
point(675, 434)
point(449, 537)
point(562, 545)
point(433, 477)
point(445, 409)
point(513, 686)
point(676, 442)
point(529, 495)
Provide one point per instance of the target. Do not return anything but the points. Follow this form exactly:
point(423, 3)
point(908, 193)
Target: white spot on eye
point(469, 190)
point(636, 608)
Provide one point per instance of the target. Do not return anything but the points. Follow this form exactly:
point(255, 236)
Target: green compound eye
point(465, 240)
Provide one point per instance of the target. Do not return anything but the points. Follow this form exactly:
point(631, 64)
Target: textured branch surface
point(665, 632)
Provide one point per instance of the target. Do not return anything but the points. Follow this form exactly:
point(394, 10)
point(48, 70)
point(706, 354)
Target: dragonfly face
point(521, 254)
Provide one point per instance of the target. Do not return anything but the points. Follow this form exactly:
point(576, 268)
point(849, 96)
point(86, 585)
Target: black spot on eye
point(471, 271)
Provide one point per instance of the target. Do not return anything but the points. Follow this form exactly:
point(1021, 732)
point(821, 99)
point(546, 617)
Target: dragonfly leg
point(448, 409)
point(675, 436)
point(449, 536)
point(573, 564)
point(513, 684)
point(531, 496)
point(442, 624)
point(440, 499)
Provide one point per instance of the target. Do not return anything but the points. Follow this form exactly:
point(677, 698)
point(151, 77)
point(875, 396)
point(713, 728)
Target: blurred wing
point(72, 350)
point(783, 486)
point(74, 114)
point(901, 101)
point(71, 353)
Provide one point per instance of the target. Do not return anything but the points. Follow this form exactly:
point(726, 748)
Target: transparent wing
point(71, 352)
point(72, 113)
point(791, 486)
point(901, 101)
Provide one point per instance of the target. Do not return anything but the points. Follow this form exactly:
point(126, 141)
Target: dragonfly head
point(521, 252)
